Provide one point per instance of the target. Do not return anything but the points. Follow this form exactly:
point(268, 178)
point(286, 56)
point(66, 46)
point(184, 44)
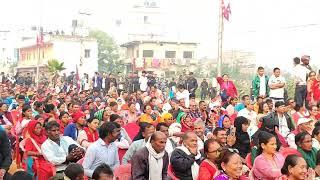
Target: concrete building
point(72, 50)
point(161, 57)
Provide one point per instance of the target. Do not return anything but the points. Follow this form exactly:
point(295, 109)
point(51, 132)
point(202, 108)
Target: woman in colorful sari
point(36, 164)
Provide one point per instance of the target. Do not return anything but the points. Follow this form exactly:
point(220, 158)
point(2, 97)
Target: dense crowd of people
point(145, 127)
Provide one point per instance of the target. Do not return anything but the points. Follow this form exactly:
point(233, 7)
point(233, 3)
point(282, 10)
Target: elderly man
point(151, 162)
point(194, 111)
point(199, 129)
point(58, 150)
point(303, 125)
point(185, 159)
point(104, 150)
point(249, 113)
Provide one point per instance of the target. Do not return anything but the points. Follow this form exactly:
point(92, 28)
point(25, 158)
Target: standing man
point(191, 85)
point(204, 89)
point(260, 86)
point(151, 162)
point(276, 84)
point(143, 81)
point(301, 72)
point(97, 81)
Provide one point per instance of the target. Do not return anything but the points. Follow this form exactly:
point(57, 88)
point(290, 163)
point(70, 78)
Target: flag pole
point(220, 38)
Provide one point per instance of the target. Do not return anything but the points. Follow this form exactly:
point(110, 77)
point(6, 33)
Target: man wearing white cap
point(301, 72)
point(303, 125)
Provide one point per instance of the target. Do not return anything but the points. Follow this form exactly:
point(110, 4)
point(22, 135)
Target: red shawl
point(92, 137)
point(38, 138)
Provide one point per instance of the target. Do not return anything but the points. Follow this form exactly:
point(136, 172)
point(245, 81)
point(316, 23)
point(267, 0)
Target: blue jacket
point(71, 131)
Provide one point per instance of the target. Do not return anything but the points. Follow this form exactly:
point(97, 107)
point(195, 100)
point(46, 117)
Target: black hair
point(181, 86)
point(25, 108)
point(207, 144)
point(107, 128)
point(244, 97)
point(316, 131)
point(291, 160)
point(74, 170)
point(201, 102)
point(37, 117)
point(269, 101)
point(48, 108)
point(232, 99)
point(143, 127)
point(297, 107)
point(318, 158)
point(260, 68)
point(317, 124)
point(114, 117)
point(112, 104)
point(62, 114)
point(217, 130)
point(296, 60)
point(260, 110)
point(21, 175)
point(37, 104)
point(264, 138)
point(274, 70)
point(278, 104)
point(51, 125)
point(145, 107)
point(103, 168)
point(91, 119)
point(159, 126)
point(225, 157)
point(300, 137)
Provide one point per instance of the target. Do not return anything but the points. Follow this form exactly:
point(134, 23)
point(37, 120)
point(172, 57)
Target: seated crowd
point(145, 136)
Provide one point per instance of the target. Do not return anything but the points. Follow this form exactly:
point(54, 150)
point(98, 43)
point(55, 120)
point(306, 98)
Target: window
point(87, 53)
point(147, 53)
point(137, 52)
point(170, 54)
point(187, 54)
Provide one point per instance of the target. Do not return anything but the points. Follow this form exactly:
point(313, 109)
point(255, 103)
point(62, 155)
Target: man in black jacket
point(282, 120)
point(191, 85)
point(185, 159)
point(5, 154)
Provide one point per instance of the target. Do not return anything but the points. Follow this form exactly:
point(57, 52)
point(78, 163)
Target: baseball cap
point(303, 120)
point(305, 57)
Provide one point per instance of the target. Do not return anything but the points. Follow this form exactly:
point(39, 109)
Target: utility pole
point(220, 37)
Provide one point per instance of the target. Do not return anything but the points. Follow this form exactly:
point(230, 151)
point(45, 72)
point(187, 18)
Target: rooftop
point(134, 43)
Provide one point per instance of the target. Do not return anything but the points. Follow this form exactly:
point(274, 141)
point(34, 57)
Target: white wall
point(70, 53)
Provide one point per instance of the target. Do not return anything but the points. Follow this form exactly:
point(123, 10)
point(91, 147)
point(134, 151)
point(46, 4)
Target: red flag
point(226, 10)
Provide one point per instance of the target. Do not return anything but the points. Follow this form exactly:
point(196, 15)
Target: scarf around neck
point(155, 162)
point(92, 136)
point(310, 157)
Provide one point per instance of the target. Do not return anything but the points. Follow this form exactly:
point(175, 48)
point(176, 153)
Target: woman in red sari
point(36, 163)
point(313, 88)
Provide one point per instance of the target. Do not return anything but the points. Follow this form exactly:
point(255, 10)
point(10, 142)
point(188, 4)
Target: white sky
point(277, 30)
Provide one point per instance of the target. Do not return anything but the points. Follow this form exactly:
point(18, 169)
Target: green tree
point(108, 52)
point(55, 66)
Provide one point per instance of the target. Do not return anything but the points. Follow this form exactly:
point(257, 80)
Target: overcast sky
point(276, 30)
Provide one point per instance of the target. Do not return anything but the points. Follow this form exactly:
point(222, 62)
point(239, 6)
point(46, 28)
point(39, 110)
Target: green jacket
point(256, 86)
